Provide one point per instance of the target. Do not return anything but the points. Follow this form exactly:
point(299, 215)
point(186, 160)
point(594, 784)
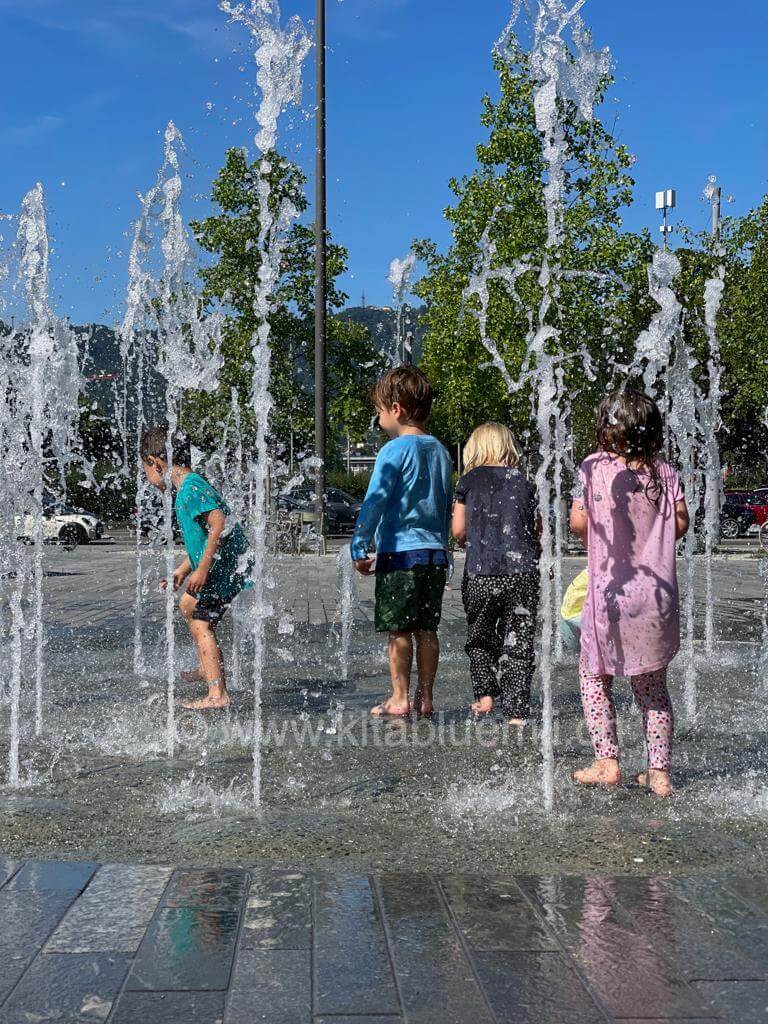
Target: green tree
point(231, 235)
point(601, 308)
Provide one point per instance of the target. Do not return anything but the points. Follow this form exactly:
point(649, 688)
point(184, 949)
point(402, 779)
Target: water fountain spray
point(40, 392)
point(168, 314)
point(566, 70)
point(400, 272)
point(711, 421)
point(279, 54)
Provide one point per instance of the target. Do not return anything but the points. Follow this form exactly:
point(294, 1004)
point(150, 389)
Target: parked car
point(62, 524)
point(739, 513)
point(341, 509)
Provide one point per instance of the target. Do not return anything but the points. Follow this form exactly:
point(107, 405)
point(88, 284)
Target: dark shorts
point(211, 608)
point(410, 599)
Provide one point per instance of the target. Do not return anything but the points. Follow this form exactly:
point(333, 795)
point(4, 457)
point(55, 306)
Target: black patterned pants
point(501, 641)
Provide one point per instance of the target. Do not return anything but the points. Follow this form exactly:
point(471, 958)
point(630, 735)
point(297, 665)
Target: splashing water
point(279, 54)
point(40, 381)
point(668, 374)
point(565, 68)
point(346, 607)
point(186, 340)
point(400, 272)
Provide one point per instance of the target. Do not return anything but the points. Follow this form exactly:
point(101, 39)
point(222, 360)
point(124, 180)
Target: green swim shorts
point(410, 599)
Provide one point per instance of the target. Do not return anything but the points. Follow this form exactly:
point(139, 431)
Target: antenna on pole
point(666, 201)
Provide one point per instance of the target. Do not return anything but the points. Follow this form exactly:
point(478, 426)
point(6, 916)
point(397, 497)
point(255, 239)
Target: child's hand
point(365, 565)
point(197, 581)
point(177, 579)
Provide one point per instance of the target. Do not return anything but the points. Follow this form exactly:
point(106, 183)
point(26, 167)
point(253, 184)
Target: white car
point(62, 525)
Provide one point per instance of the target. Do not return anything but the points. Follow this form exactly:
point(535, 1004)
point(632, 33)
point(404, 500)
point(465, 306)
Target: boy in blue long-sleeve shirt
point(406, 514)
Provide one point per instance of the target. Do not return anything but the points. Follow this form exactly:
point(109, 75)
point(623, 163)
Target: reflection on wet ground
point(278, 944)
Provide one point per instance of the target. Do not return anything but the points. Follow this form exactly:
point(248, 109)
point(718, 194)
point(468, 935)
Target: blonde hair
point(491, 443)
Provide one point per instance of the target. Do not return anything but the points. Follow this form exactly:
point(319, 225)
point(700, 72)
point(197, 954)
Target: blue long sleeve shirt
point(408, 503)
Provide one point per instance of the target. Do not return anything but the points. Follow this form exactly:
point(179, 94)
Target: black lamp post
point(320, 257)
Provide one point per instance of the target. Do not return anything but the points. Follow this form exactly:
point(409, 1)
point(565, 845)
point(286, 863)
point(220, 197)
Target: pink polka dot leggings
point(652, 697)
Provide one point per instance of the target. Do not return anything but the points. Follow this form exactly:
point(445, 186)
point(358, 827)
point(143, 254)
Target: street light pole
point(320, 258)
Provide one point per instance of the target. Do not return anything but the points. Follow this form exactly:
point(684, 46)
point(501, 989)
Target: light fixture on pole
point(714, 193)
point(666, 201)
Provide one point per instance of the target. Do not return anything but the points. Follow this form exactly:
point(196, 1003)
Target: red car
point(756, 501)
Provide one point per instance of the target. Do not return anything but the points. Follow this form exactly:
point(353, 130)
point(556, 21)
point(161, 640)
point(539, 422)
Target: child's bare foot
point(656, 781)
point(389, 709)
point(484, 706)
point(518, 723)
point(193, 676)
point(423, 703)
point(604, 772)
point(215, 699)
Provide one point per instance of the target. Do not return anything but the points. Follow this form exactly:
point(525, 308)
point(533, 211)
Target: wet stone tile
point(623, 968)
point(186, 948)
point(212, 890)
point(348, 931)
point(494, 914)
point(113, 913)
point(66, 987)
point(530, 988)
point(435, 979)
point(270, 985)
point(27, 919)
point(745, 1002)
point(278, 912)
point(7, 869)
point(47, 876)
point(753, 891)
point(687, 938)
point(367, 1019)
point(735, 922)
point(169, 1008)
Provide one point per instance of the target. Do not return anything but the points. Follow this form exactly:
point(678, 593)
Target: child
point(407, 507)
point(494, 516)
point(630, 516)
point(213, 566)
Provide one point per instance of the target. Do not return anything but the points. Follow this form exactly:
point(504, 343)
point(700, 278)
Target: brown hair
point(154, 444)
point(629, 424)
point(408, 387)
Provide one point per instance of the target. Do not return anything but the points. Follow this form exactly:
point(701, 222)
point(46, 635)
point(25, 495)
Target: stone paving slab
point(282, 946)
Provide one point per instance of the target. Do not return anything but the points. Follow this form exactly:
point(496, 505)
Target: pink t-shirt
point(631, 621)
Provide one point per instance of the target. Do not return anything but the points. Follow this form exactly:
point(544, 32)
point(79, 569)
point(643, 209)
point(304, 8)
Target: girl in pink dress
point(630, 513)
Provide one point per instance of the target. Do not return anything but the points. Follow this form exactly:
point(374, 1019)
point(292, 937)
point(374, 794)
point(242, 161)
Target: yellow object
point(575, 596)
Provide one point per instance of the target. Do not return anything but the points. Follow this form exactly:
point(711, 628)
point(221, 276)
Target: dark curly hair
point(630, 424)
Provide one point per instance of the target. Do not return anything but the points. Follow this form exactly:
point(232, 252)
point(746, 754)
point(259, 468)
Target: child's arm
point(459, 523)
point(216, 521)
point(579, 521)
point(385, 473)
point(179, 575)
point(682, 519)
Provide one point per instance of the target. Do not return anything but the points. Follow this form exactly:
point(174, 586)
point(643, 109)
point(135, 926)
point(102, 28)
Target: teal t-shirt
point(194, 499)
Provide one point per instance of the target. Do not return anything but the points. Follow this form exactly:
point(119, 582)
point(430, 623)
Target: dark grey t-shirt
point(501, 516)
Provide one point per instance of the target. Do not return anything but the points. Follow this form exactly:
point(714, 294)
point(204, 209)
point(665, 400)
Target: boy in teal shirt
point(214, 566)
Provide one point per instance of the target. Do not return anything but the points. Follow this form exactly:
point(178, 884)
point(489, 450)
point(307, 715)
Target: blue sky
point(88, 87)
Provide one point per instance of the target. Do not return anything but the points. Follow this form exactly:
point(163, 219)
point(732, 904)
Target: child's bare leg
point(427, 659)
point(400, 662)
point(187, 605)
point(212, 666)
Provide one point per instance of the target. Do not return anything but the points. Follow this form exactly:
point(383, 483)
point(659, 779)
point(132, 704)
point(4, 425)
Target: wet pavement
point(130, 944)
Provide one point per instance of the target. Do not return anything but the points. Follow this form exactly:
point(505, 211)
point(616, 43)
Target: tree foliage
point(231, 236)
